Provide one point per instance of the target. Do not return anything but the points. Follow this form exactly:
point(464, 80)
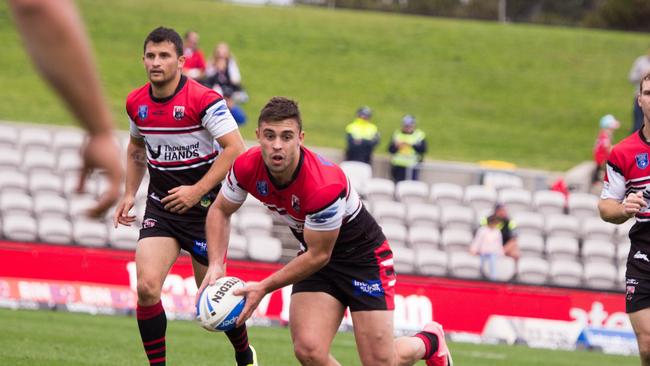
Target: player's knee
point(378, 359)
point(310, 353)
point(644, 347)
point(148, 291)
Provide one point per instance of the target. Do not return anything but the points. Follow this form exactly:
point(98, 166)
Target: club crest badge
point(295, 203)
point(179, 112)
point(143, 111)
point(262, 187)
point(149, 223)
point(642, 160)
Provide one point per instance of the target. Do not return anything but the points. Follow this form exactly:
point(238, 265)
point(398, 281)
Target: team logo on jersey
point(143, 111)
point(149, 223)
point(262, 187)
point(154, 154)
point(629, 292)
point(295, 203)
point(206, 201)
point(642, 160)
point(179, 112)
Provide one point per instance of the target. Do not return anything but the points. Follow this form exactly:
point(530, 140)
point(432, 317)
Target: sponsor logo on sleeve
point(642, 160)
point(368, 288)
point(323, 216)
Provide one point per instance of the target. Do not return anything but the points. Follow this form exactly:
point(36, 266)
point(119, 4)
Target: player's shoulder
point(325, 184)
point(633, 142)
point(136, 94)
point(247, 162)
point(196, 89)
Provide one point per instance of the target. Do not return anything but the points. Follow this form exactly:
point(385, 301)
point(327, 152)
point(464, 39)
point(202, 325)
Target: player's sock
point(430, 343)
point(239, 339)
point(152, 323)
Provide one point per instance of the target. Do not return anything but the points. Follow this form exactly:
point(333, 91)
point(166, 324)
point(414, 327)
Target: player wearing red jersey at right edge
point(345, 261)
point(626, 192)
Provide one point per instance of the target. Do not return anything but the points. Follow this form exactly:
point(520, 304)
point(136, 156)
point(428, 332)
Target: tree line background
point(628, 15)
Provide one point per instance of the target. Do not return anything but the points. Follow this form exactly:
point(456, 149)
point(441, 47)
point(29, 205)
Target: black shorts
point(637, 294)
point(189, 234)
point(365, 281)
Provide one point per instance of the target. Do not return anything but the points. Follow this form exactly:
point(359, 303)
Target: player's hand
point(181, 199)
point(633, 203)
point(121, 215)
point(101, 152)
point(213, 273)
point(254, 292)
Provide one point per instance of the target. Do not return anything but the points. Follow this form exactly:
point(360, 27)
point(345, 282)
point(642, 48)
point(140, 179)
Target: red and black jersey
point(319, 197)
point(179, 133)
point(628, 170)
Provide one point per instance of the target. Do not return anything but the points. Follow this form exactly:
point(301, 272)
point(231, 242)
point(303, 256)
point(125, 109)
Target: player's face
point(161, 62)
point(644, 99)
point(280, 142)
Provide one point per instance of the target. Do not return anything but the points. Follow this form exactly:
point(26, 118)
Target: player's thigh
point(641, 324)
point(373, 332)
point(154, 257)
point(314, 318)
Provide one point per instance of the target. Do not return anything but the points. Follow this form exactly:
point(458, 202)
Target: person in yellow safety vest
point(362, 137)
point(408, 146)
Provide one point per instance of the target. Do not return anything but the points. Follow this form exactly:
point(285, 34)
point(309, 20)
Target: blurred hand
point(633, 203)
point(101, 152)
point(121, 215)
point(254, 292)
point(181, 199)
point(214, 273)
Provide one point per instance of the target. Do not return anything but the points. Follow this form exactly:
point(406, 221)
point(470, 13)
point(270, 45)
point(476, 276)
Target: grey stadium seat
point(255, 224)
point(562, 247)
point(622, 252)
point(505, 269)
point(389, 212)
point(15, 203)
point(8, 137)
point(34, 138)
point(501, 180)
point(9, 159)
point(531, 245)
point(583, 204)
point(411, 191)
point(480, 197)
point(380, 189)
point(601, 276)
point(20, 228)
point(446, 194)
point(38, 160)
point(237, 247)
point(457, 217)
point(456, 240)
point(44, 182)
point(266, 249)
point(68, 162)
point(358, 173)
point(623, 230)
point(395, 234)
point(431, 262)
point(532, 270)
point(549, 202)
point(13, 181)
point(565, 273)
point(596, 228)
point(50, 205)
point(56, 230)
point(90, 233)
point(598, 251)
point(422, 214)
point(423, 237)
point(403, 259)
point(464, 265)
point(67, 140)
point(516, 199)
point(562, 225)
point(529, 222)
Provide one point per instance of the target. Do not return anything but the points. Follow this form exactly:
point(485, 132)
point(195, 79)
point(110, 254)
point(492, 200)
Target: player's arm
point(136, 165)
point(617, 212)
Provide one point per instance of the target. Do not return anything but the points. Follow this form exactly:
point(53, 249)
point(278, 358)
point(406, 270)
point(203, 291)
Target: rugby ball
point(218, 308)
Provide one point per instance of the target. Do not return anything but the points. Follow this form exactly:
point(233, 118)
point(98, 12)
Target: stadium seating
point(583, 205)
point(515, 199)
point(622, 231)
point(600, 275)
point(529, 222)
point(549, 202)
point(456, 240)
point(359, 173)
point(422, 214)
point(411, 191)
point(501, 180)
point(622, 251)
point(380, 189)
point(256, 224)
point(598, 251)
point(479, 197)
point(123, 237)
point(13, 181)
point(457, 217)
point(19, 227)
point(9, 158)
point(595, 228)
point(423, 237)
point(395, 234)
point(79, 204)
point(446, 194)
point(50, 205)
point(8, 138)
point(68, 162)
point(562, 247)
point(56, 230)
point(264, 248)
point(34, 138)
point(403, 259)
point(464, 265)
point(90, 233)
point(565, 272)
point(38, 160)
point(562, 225)
point(532, 270)
point(67, 140)
point(237, 247)
point(531, 245)
point(386, 212)
point(505, 269)
point(42, 182)
point(431, 262)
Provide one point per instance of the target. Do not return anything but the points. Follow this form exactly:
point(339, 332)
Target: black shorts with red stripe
point(189, 234)
point(362, 281)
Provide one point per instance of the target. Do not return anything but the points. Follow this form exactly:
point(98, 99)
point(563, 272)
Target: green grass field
point(527, 94)
point(58, 338)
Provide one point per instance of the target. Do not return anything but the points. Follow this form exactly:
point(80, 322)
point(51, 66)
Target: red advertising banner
point(104, 278)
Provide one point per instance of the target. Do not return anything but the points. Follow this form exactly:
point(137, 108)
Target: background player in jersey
point(57, 43)
point(625, 194)
point(346, 261)
point(174, 123)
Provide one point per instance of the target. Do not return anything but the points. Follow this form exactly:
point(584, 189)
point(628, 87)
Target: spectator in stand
point(639, 69)
point(194, 66)
point(223, 71)
point(603, 145)
point(408, 146)
point(487, 243)
point(508, 230)
point(237, 112)
point(362, 137)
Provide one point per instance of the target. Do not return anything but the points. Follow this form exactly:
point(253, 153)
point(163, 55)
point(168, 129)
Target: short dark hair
point(162, 34)
point(279, 109)
point(646, 77)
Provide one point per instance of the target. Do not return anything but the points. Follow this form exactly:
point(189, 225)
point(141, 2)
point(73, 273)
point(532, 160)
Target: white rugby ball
point(218, 308)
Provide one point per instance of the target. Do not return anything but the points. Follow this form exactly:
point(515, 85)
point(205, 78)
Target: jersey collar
point(279, 186)
point(181, 84)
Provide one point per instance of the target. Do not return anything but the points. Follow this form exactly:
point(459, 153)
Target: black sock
point(431, 343)
point(239, 339)
point(152, 323)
